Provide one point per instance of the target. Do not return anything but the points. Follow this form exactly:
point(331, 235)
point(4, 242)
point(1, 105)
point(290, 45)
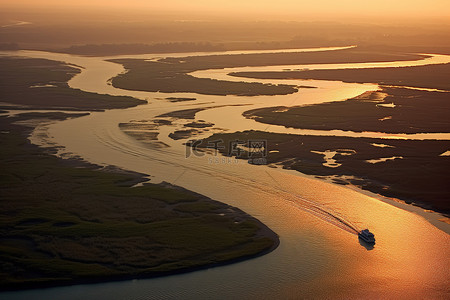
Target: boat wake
point(317, 209)
point(327, 214)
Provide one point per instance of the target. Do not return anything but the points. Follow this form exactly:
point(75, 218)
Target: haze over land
point(222, 24)
point(145, 139)
point(251, 8)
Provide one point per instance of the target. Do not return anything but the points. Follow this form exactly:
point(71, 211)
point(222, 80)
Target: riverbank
point(28, 83)
point(388, 110)
point(63, 222)
point(67, 222)
point(172, 74)
point(313, 254)
point(385, 167)
point(427, 77)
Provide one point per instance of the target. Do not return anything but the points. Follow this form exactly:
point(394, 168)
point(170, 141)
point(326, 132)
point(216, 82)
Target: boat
point(367, 236)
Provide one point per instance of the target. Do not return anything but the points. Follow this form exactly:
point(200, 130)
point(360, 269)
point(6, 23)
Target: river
point(318, 257)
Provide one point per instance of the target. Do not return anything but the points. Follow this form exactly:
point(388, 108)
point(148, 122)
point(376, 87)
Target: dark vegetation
point(164, 77)
point(180, 99)
point(146, 131)
point(421, 177)
point(414, 112)
point(40, 83)
point(171, 74)
point(66, 221)
point(182, 114)
point(182, 134)
point(199, 124)
point(351, 55)
point(141, 131)
point(431, 76)
point(187, 113)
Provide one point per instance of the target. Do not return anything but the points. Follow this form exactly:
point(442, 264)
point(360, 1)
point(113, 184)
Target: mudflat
point(409, 170)
point(63, 222)
point(170, 75)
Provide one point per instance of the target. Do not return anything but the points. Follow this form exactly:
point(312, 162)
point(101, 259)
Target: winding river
point(319, 255)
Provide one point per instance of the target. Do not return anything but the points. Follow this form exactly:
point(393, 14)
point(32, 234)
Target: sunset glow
point(265, 8)
point(224, 149)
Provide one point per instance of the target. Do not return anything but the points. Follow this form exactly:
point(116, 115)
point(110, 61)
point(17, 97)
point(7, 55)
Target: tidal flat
point(62, 220)
point(428, 77)
point(389, 110)
point(413, 171)
point(171, 75)
point(28, 83)
point(419, 177)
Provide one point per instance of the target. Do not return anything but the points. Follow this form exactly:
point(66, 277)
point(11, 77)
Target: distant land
point(398, 111)
point(430, 76)
point(170, 75)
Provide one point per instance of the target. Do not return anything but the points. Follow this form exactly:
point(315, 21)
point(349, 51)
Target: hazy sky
point(382, 8)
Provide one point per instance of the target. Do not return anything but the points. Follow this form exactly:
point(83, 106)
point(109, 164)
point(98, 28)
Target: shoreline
point(311, 163)
point(431, 216)
point(264, 231)
point(40, 285)
point(138, 178)
point(250, 233)
point(280, 262)
point(394, 199)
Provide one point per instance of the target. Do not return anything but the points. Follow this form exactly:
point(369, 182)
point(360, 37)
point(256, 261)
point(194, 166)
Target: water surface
point(319, 255)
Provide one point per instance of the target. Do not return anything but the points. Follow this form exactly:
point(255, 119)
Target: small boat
point(367, 236)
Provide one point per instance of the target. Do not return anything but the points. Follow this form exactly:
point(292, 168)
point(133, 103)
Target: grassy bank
point(165, 77)
point(401, 111)
point(42, 84)
point(65, 222)
point(417, 173)
point(415, 170)
point(432, 76)
point(170, 75)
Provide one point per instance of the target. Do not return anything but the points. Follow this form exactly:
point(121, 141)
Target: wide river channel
point(319, 256)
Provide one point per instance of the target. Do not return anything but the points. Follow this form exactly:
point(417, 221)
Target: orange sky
point(311, 8)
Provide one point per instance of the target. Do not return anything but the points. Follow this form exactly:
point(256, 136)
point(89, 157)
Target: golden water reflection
point(317, 256)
